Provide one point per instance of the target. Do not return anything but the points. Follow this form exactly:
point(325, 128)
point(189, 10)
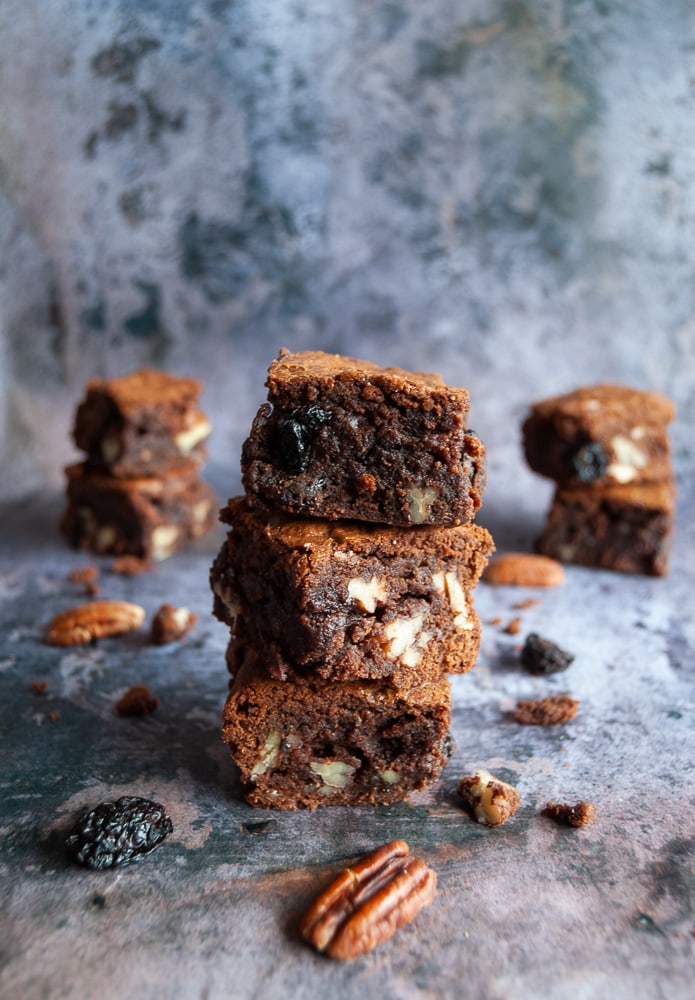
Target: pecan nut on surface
point(368, 902)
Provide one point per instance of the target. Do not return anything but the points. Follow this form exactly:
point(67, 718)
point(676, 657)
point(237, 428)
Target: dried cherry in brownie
point(314, 742)
point(342, 438)
point(343, 599)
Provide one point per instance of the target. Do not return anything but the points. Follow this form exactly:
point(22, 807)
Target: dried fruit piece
point(491, 801)
point(369, 901)
point(541, 656)
point(116, 833)
point(550, 711)
point(524, 569)
point(580, 814)
point(171, 624)
point(138, 700)
point(295, 435)
point(589, 462)
point(86, 622)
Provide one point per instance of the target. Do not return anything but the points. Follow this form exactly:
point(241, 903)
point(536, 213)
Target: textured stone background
point(502, 191)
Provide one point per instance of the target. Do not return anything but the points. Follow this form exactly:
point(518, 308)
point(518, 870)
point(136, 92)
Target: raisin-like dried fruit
point(116, 833)
point(541, 656)
point(295, 433)
point(589, 462)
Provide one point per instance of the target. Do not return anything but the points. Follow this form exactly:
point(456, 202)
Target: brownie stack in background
point(607, 448)
point(346, 580)
point(138, 491)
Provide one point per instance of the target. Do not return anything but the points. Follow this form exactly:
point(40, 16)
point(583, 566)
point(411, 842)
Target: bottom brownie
point(150, 518)
point(625, 528)
point(314, 743)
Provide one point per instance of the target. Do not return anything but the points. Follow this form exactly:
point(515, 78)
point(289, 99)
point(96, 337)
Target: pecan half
point(369, 901)
point(86, 622)
point(524, 569)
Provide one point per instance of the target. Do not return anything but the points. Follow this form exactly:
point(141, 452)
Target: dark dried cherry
point(589, 462)
point(541, 656)
point(295, 433)
point(116, 833)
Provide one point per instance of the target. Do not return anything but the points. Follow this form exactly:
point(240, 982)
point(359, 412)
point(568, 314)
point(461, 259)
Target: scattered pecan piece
point(86, 622)
point(171, 624)
point(524, 569)
point(491, 801)
point(130, 566)
point(87, 576)
point(138, 700)
point(550, 711)
point(369, 901)
point(580, 814)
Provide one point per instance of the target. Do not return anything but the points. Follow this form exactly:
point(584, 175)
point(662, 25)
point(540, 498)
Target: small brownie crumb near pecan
point(580, 814)
point(489, 800)
point(130, 566)
point(138, 700)
point(87, 576)
point(368, 902)
point(514, 627)
point(550, 711)
point(171, 624)
point(39, 687)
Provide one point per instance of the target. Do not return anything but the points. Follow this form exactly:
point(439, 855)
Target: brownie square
point(343, 599)
point(149, 518)
point(314, 742)
point(142, 424)
point(625, 528)
point(600, 434)
point(341, 438)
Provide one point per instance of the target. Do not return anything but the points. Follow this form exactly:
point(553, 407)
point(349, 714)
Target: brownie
point(626, 528)
point(314, 742)
point(341, 438)
point(344, 599)
point(149, 518)
point(142, 424)
point(600, 434)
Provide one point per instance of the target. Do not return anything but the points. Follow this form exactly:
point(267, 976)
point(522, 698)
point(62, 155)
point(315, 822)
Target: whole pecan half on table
point(96, 620)
point(369, 901)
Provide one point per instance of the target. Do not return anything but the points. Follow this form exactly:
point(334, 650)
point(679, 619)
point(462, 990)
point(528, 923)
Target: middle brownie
point(344, 600)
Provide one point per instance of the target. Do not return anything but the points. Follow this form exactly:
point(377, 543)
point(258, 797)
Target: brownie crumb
point(577, 815)
point(130, 566)
point(497, 620)
point(53, 716)
point(87, 576)
point(171, 624)
point(138, 700)
point(530, 602)
point(39, 687)
point(514, 626)
point(549, 711)
point(541, 656)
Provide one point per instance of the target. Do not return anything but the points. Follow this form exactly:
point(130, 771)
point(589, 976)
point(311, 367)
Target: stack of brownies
point(607, 448)
point(346, 580)
point(139, 492)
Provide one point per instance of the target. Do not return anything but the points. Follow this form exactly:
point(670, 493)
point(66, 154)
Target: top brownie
point(600, 434)
point(341, 438)
point(141, 424)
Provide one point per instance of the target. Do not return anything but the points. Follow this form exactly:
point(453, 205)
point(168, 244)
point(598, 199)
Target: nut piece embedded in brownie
point(625, 528)
point(141, 424)
point(149, 518)
point(345, 600)
point(341, 438)
point(314, 743)
point(600, 434)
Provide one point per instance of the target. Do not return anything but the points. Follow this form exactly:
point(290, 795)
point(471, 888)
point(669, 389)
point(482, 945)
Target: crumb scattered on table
point(550, 711)
point(138, 700)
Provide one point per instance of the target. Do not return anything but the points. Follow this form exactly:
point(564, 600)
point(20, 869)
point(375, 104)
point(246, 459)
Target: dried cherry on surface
point(118, 832)
point(541, 656)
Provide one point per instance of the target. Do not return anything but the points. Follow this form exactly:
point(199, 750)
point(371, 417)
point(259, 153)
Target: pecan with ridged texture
point(86, 622)
point(369, 901)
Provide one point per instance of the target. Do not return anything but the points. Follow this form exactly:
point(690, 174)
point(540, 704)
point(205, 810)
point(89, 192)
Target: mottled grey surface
point(503, 192)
